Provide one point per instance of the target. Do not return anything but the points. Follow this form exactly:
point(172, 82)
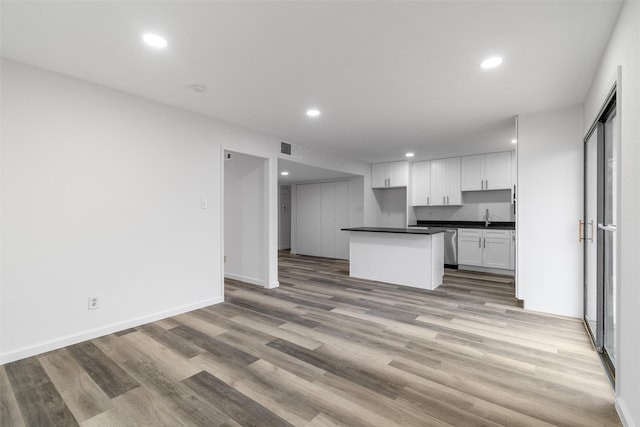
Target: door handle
point(580, 226)
point(607, 227)
point(591, 238)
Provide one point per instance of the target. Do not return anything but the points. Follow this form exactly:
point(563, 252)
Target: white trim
point(272, 285)
point(623, 413)
point(98, 332)
point(246, 279)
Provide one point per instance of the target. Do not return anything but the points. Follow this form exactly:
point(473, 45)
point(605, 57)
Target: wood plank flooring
point(325, 350)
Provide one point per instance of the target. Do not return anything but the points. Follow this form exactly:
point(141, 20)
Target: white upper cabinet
point(388, 175)
point(379, 175)
point(421, 183)
point(445, 182)
point(486, 172)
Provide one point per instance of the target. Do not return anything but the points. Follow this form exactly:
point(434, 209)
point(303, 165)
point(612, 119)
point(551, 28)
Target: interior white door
point(328, 220)
point(341, 215)
point(284, 218)
point(308, 225)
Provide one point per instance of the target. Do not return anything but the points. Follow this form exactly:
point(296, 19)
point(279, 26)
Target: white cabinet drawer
point(469, 232)
point(498, 234)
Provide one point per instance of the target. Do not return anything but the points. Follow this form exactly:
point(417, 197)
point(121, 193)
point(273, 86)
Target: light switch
point(204, 204)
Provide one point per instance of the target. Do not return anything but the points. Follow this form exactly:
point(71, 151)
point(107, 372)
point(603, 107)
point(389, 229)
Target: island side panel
point(401, 259)
point(437, 260)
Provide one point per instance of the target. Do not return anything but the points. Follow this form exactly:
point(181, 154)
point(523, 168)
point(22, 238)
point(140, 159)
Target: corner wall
point(550, 169)
point(624, 50)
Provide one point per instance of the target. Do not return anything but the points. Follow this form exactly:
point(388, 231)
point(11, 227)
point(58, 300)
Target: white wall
point(101, 195)
point(391, 207)
point(624, 50)
point(475, 204)
point(245, 210)
point(550, 169)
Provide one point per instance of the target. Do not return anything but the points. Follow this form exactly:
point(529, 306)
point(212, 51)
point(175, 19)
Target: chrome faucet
point(486, 218)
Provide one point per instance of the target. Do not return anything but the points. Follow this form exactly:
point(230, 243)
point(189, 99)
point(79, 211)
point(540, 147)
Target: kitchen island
point(402, 256)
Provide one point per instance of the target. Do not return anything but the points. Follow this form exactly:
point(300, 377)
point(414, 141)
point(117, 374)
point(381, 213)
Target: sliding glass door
point(599, 234)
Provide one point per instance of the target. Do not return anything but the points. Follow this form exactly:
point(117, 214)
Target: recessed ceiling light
point(491, 62)
point(409, 154)
point(312, 112)
point(284, 173)
point(514, 141)
point(154, 40)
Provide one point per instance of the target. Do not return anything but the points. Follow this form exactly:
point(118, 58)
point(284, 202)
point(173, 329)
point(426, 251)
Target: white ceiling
point(299, 172)
point(388, 76)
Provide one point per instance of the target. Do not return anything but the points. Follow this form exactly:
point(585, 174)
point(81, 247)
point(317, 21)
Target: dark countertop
point(395, 230)
point(498, 225)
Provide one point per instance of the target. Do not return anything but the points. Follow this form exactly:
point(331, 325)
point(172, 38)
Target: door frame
point(597, 336)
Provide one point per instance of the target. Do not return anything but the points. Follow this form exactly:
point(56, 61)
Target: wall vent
point(290, 150)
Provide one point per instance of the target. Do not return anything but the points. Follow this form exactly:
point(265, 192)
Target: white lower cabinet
point(485, 248)
point(469, 247)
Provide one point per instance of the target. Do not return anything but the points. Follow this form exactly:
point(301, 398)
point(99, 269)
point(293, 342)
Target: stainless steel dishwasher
point(451, 248)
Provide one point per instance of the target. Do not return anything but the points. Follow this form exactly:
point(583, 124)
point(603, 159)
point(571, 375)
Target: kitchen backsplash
point(475, 204)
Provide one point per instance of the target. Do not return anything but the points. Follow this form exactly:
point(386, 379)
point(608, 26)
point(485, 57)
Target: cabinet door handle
point(447, 199)
point(427, 200)
point(486, 184)
point(484, 243)
point(443, 200)
point(479, 242)
point(482, 184)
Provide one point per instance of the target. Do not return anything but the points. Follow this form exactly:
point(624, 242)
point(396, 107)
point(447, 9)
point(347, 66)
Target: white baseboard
point(274, 284)
point(246, 279)
point(624, 414)
point(252, 280)
point(57, 343)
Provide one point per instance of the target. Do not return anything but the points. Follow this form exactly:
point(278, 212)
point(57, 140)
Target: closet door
point(328, 221)
point(308, 226)
point(341, 214)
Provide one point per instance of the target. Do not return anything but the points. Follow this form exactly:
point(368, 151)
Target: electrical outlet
point(93, 303)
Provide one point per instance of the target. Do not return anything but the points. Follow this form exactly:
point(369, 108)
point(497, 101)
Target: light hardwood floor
point(325, 350)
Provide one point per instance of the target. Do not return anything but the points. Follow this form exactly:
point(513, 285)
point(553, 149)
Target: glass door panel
point(610, 233)
point(599, 235)
point(591, 237)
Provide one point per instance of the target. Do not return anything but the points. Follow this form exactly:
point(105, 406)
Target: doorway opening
point(246, 227)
